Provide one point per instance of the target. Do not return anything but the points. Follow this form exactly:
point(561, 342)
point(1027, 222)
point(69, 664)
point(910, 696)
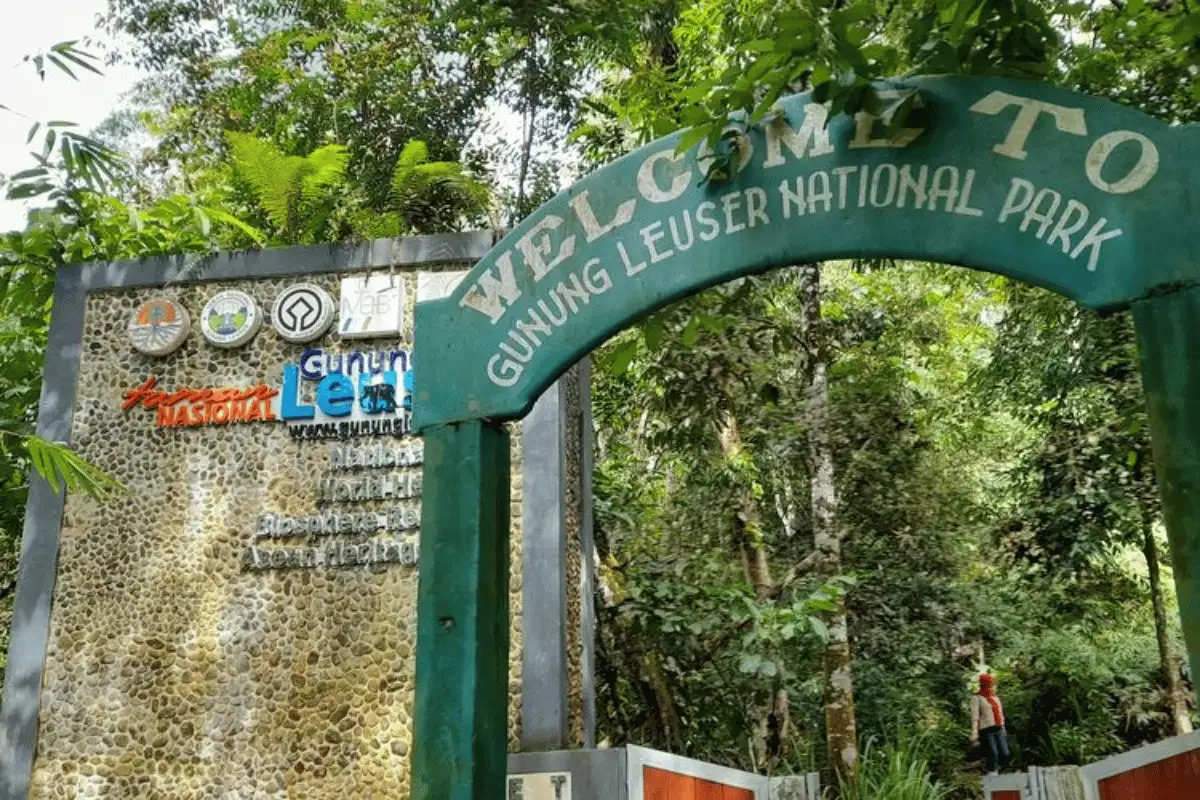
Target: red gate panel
point(1005, 794)
point(1174, 778)
point(659, 784)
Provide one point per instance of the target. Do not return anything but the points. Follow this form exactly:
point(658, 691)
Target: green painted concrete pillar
point(1168, 329)
point(460, 723)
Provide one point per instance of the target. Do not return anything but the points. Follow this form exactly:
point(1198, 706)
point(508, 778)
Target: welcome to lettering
point(1037, 183)
point(664, 176)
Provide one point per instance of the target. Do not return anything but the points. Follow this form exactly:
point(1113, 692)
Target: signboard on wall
point(372, 306)
point(365, 500)
point(243, 620)
point(258, 580)
point(541, 786)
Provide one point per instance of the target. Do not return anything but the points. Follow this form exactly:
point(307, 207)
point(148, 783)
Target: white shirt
point(982, 715)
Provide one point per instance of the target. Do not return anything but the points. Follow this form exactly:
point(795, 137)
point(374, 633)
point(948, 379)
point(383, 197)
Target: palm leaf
point(219, 215)
point(60, 466)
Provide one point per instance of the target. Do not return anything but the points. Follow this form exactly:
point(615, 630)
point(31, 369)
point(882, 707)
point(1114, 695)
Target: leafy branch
point(61, 466)
point(62, 55)
point(837, 49)
point(292, 190)
point(296, 192)
point(82, 159)
point(415, 175)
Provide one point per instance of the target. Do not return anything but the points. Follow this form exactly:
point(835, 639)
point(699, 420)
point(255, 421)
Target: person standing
point(987, 725)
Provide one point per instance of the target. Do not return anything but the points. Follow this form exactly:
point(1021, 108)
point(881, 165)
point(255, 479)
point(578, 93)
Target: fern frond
point(273, 175)
point(414, 154)
point(323, 167)
point(287, 186)
point(415, 175)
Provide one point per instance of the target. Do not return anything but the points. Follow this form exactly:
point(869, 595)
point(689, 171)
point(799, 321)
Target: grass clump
point(899, 770)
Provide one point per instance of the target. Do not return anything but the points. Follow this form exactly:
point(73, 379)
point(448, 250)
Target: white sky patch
point(28, 28)
point(500, 135)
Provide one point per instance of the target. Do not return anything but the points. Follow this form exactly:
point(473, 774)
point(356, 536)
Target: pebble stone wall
point(171, 671)
point(573, 447)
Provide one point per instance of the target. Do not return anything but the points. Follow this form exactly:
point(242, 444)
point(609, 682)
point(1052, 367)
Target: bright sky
point(29, 27)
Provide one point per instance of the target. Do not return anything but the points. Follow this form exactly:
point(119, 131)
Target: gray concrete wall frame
point(544, 688)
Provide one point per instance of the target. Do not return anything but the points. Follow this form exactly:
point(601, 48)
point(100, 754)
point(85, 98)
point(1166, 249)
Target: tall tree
point(1177, 694)
point(841, 730)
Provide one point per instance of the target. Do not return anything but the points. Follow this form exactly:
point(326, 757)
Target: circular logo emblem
point(230, 319)
point(159, 327)
point(302, 313)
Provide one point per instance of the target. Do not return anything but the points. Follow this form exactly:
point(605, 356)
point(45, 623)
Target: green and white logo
point(230, 319)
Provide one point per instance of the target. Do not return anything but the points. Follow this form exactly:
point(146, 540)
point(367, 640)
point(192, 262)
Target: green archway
point(1065, 191)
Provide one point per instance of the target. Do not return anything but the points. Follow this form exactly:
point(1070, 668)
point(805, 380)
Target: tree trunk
point(841, 734)
point(772, 730)
point(668, 714)
point(1176, 694)
point(661, 35)
point(747, 517)
point(641, 666)
point(772, 719)
point(529, 131)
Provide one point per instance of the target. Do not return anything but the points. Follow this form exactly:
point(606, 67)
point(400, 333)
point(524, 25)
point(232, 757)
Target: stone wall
point(573, 508)
point(173, 671)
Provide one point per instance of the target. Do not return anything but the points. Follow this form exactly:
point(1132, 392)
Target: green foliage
point(369, 75)
point(62, 468)
point(300, 194)
point(909, 339)
point(415, 176)
point(24, 309)
point(899, 770)
point(67, 157)
point(837, 49)
point(293, 190)
point(731, 63)
point(1074, 376)
point(1077, 663)
point(940, 436)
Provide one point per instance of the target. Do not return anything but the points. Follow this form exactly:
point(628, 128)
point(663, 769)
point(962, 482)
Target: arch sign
point(1084, 197)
